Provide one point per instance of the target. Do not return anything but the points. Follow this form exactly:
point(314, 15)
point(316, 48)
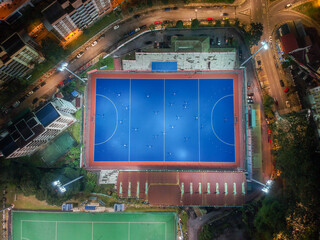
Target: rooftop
point(53, 12)
point(6, 9)
point(47, 114)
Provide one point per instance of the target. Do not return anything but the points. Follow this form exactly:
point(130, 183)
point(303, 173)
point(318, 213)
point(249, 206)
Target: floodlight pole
point(253, 180)
point(74, 74)
point(76, 179)
point(264, 45)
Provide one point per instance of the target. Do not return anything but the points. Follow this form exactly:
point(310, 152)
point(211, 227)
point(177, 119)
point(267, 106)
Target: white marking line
point(41, 221)
point(230, 95)
point(199, 116)
point(92, 231)
point(129, 231)
point(56, 230)
point(21, 229)
point(164, 120)
point(129, 119)
point(115, 129)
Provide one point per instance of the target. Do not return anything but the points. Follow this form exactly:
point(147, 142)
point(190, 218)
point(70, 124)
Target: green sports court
point(93, 226)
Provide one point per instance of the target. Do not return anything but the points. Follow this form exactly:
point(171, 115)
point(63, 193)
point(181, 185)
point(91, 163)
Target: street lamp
point(64, 67)
point(196, 10)
point(61, 187)
point(264, 46)
point(266, 187)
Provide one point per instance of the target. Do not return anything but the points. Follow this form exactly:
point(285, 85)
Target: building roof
point(8, 145)
point(13, 44)
point(289, 43)
point(184, 188)
point(190, 44)
point(53, 12)
point(21, 132)
point(9, 8)
point(47, 114)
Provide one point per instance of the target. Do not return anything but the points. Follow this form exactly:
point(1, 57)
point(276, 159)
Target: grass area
point(107, 64)
point(26, 202)
point(151, 209)
point(310, 10)
point(184, 223)
point(75, 128)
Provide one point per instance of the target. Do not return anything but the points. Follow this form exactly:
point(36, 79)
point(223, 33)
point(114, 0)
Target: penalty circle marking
point(116, 127)
point(214, 132)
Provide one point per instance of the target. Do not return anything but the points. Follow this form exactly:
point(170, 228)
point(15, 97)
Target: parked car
point(42, 84)
point(22, 98)
point(281, 83)
point(148, 42)
point(251, 94)
point(137, 30)
point(224, 14)
point(94, 43)
point(167, 9)
point(131, 32)
point(116, 27)
point(80, 54)
point(157, 22)
point(209, 19)
point(36, 88)
point(88, 47)
point(136, 16)
point(175, 8)
point(16, 104)
point(250, 101)
point(250, 97)
point(35, 100)
point(286, 90)
point(288, 5)
point(29, 93)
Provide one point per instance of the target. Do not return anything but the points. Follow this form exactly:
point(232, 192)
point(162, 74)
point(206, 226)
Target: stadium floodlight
point(264, 46)
point(55, 183)
point(269, 182)
point(61, 187)
point(265, 189)
point(64, 67)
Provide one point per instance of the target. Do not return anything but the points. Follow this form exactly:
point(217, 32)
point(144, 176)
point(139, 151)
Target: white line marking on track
point(115, 129)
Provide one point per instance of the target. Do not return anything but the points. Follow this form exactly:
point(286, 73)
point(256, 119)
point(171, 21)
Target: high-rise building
point(63, 17)
point(28, 133)
point(16, 58)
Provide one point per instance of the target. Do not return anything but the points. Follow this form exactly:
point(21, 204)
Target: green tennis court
point(93, 226)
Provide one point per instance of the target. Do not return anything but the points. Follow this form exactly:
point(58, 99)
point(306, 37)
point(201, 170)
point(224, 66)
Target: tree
point(179, 24)
point(256, 30)
point(218, 23)
point(52, 51)
point(195, 24)
point(267, 105)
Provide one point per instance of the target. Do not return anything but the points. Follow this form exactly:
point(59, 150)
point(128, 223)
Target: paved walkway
point(117, 63)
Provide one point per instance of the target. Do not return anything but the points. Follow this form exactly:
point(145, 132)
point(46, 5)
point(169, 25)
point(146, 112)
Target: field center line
point(129, 119)
point(164, 120)
point(199, 116)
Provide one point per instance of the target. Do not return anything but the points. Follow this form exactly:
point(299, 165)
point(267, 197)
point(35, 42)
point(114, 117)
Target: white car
point(288, 5)
point(94, 43)
point(80, 55)
point(88, 47)
point(116, 27)
point(137, 30)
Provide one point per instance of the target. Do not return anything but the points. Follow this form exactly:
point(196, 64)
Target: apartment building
point(17, 58)
point(35, 129)
point(63, 17)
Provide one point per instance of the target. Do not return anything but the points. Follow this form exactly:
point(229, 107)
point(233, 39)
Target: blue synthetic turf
point(172, 120)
